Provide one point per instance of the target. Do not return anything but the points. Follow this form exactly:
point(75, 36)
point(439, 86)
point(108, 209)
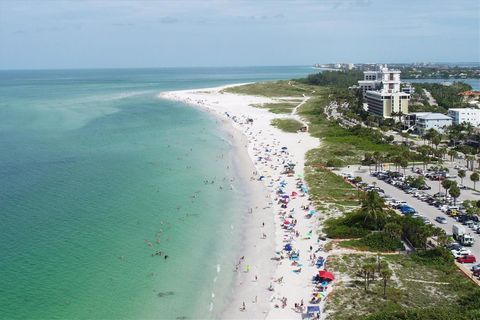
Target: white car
point(461, 252)
point(441, 219)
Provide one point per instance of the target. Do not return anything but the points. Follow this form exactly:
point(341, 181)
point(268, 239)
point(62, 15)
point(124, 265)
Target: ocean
point(100, 179)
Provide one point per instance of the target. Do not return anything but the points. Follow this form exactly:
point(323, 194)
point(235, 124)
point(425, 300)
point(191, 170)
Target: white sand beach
point(268, 281)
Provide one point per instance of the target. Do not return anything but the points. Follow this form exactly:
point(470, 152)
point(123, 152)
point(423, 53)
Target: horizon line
point(238, 66)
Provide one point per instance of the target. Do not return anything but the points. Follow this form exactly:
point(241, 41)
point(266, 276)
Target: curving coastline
point(258, 146)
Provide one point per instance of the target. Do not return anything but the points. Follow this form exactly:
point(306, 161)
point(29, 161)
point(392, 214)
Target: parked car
point(407, 209)
point(441, 219)
point(455, 246)
point(461, 252)
point(475, 267)
point(467, 259)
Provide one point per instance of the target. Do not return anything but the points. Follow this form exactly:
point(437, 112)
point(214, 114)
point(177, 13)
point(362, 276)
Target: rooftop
point(463, 109)
point(469, 93)
point(434, 116)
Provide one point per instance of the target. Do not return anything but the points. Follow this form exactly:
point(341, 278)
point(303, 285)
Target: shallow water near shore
point(97, 175)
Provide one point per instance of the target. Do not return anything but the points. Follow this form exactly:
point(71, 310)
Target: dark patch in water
point(165, 294)
point(181, 318)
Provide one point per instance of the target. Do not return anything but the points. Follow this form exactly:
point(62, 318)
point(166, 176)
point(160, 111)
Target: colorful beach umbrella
point(325, 275)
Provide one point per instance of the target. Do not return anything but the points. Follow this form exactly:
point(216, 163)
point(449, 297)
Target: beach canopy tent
point(325, 275)
point(313, 309)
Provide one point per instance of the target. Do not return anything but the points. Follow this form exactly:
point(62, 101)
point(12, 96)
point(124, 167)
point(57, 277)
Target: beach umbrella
point(286, 222)
point(313, 309)
point(288, 247)
point(325, 275)
point(312, 212)
point(294, 193)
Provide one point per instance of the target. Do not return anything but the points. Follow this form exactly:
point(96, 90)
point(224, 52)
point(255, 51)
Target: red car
point(467, 259)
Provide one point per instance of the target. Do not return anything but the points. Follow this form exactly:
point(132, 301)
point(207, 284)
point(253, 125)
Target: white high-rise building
point(381, 91)
point(465, 115)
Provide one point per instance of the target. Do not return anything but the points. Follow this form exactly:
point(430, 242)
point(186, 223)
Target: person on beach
point(243, 308)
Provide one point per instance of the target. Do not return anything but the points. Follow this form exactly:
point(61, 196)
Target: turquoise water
point(95, 170)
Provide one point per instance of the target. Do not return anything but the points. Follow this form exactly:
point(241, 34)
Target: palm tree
point(453, 154)
point(372, 207)
point(357, 181)
point(436, 140)
point(430, 134)
point(447, 184)
point(368, 160)
point(386, 274)
point(424, 151)
point(404, 164)
point(377, 157)
point(474, 177)
point(442, 152)
point(364, 272)
point(470, 161)
point(461, 175)
point(454, 192)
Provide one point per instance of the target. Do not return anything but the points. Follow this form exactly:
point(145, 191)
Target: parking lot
point(430, 212)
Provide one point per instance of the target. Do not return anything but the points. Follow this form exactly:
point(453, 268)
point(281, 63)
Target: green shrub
point(339, 228)
point(376, 241)
point(335, 163)
point(437, 256)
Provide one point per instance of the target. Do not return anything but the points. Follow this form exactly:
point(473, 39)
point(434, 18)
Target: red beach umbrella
point(326, 275)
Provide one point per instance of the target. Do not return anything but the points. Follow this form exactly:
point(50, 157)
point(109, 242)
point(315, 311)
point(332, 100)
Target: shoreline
point(262, 143)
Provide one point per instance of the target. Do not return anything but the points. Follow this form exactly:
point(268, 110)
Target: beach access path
point(269, 149)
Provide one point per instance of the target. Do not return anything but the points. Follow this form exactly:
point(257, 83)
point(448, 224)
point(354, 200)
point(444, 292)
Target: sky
point(43, 34)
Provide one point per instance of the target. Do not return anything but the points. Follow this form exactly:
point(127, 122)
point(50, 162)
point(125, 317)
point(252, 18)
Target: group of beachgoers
point(297, 289)
point(276, 169)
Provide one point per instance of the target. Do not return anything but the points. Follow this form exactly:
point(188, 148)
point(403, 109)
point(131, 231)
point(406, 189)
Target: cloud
point(168, 20)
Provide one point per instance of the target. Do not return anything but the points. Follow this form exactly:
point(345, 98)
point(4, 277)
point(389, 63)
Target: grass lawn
point(287, 125)
point(413, 285)
point(280, 107)
point(326, 186)
point(340, 146)
point(282, 88)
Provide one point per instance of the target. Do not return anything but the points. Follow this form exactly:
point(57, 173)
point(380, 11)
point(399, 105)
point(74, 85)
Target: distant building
point(407, 88)
point(421, 122)
point(381, 92)
point(384, 104)
point(371, 81)
point(470, 96)
point(465, 115)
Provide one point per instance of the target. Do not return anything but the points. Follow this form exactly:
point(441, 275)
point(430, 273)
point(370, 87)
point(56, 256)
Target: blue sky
point(92, 34)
